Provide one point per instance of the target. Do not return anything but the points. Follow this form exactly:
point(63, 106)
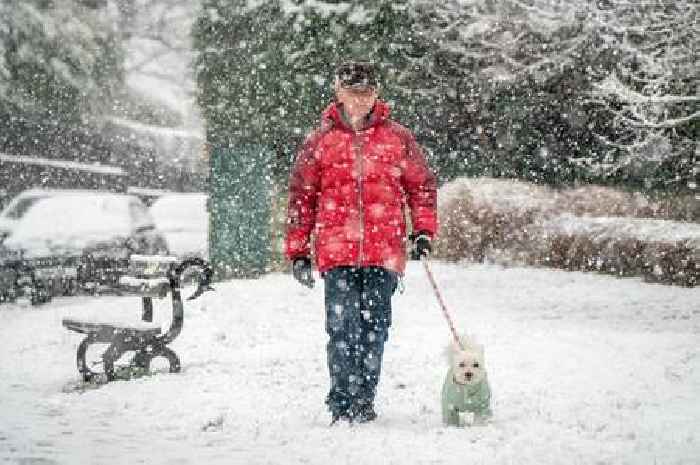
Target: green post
point(239, 211)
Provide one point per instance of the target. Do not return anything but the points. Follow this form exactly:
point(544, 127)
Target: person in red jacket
point(350, 184)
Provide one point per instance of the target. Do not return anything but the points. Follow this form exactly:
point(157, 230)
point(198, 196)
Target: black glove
point(421, 245)
point(303, 272)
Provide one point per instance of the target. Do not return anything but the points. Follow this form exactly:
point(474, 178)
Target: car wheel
point(39, 295)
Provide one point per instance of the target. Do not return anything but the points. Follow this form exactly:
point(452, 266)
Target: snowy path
point(585, 369)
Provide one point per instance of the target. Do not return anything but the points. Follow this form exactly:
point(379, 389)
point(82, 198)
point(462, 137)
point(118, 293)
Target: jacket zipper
point(358, 154)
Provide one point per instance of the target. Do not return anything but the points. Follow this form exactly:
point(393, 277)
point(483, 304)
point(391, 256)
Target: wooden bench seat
point(107, 331)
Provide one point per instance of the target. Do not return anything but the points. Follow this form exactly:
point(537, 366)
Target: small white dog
point(466, 394)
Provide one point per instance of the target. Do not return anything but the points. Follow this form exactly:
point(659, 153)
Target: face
point(468, 366)
point(357, 104)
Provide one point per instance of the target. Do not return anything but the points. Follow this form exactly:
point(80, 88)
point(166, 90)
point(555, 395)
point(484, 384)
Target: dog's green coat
point(457, 398)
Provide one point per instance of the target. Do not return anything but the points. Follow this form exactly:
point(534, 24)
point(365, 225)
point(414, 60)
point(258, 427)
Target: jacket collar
point(334, 115)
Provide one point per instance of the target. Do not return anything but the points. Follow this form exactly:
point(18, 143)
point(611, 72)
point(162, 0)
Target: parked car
point(17, 278)
point(184, 220)
point(83, 238)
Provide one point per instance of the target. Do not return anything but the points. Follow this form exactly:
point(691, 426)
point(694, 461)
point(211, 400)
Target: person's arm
point(420, 186)
point(304, 186)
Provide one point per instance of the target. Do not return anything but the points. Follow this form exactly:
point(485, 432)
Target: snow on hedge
point(558, 208)
point(643, 229)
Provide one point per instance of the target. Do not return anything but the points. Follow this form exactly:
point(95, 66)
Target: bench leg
point(112, 354)
point(83, 369)
point(143, 359)
point(172, 357)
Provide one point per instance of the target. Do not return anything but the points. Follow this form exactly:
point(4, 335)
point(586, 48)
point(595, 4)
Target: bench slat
point(107, 331)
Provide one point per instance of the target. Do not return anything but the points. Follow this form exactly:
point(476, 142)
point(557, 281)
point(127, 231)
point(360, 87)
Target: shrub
point(585, 229)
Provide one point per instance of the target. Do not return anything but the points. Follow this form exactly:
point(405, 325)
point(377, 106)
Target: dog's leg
point(466, 418)
point(483, 415)
point(450, 416)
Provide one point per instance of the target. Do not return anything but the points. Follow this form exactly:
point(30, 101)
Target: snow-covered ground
point(585, 369)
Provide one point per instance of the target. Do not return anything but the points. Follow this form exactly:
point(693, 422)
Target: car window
point(18, 210)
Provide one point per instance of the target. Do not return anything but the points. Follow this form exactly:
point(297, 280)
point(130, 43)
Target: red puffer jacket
point(350, 188)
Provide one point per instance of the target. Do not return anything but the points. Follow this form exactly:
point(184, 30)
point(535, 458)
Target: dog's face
point(467, 365)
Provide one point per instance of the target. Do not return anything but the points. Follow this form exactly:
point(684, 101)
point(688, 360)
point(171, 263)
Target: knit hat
point(357, 75)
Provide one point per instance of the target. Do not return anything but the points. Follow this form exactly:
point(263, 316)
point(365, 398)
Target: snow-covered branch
point(651, 93)
point(625, 94)
point(637, 120)
point(520, 38)
point(158, 29)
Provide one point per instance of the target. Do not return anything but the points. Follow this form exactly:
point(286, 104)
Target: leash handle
point(443, 307)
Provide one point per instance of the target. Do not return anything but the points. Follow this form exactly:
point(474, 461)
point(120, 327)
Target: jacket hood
point(333, 115)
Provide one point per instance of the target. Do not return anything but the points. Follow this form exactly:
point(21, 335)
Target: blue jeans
point(358, 316)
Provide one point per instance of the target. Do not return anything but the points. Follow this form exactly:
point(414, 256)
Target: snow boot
point(340, 417)
point(363, 413)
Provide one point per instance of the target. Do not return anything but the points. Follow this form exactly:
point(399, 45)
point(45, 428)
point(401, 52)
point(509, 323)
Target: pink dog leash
point(443, 307)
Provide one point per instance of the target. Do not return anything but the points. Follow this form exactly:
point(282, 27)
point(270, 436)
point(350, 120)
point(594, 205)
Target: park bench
point(148, 277)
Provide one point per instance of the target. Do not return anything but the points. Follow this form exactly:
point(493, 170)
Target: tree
point(650, 92)
point(159, 56)
point(507, 73)
point(59, 60)
point(550, 90)
point(265, 70)
point(621, 76)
